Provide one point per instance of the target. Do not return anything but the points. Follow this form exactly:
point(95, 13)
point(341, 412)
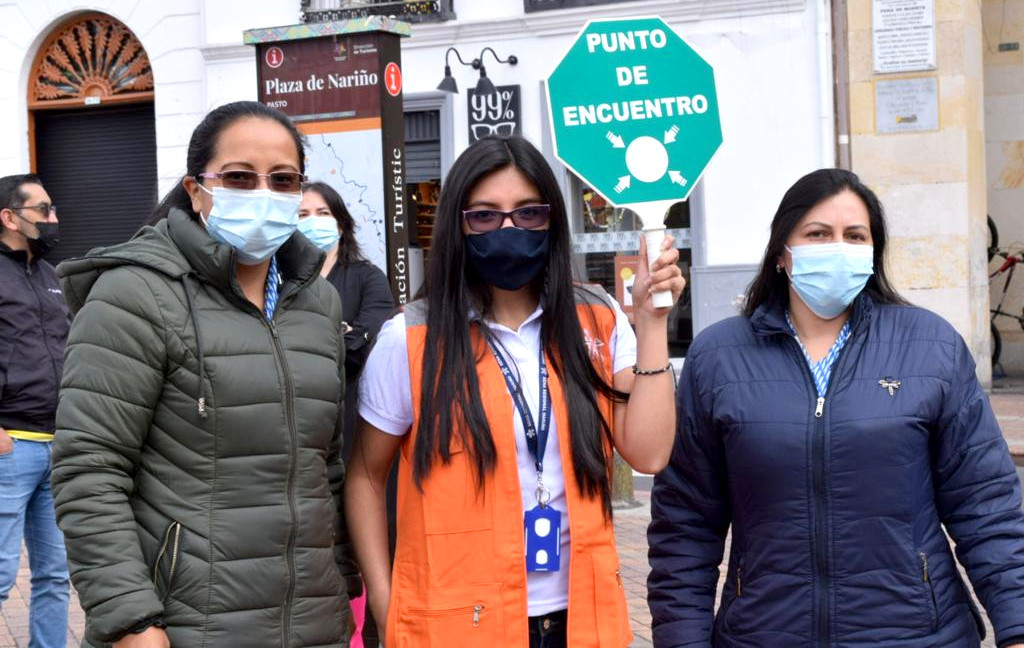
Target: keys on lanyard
point(543, 523)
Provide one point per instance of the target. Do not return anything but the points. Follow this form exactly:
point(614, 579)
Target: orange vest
point(459, 577)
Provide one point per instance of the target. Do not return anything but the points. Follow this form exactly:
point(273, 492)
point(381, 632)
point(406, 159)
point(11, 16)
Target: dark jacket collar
point(20, 256)
point(770, 318)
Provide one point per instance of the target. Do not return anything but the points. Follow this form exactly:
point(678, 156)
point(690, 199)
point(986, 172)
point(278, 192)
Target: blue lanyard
point(536, 436)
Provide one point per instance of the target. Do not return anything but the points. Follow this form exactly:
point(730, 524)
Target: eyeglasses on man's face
point(526, 217)
point(283, 181)
point(43, 209)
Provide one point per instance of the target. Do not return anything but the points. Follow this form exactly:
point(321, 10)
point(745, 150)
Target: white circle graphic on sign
point(646, 159)
point(541, 557)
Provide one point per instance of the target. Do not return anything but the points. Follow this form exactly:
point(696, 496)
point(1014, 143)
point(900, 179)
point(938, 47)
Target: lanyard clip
point(543, 494)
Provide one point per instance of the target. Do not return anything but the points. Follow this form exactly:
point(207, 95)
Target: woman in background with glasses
point(503, 393)
point(197, 464)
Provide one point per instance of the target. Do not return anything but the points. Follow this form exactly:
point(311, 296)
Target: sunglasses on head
point(488, 220)
point(283, 181)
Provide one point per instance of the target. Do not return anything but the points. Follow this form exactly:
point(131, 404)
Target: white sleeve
point(385, 393)
point(623, 340)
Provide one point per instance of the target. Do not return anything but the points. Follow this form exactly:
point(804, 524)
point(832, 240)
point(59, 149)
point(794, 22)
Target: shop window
point(606, 242)
point(546, 5)
point(317, 11)
point(424, 196)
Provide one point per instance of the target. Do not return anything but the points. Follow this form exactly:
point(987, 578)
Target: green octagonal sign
point(634, 111)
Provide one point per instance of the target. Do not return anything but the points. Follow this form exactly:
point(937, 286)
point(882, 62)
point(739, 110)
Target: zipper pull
point(273, 329)
point(477, 609)
point(924, 566)
point(820, 408)
point(618, 577)
point(739, 581)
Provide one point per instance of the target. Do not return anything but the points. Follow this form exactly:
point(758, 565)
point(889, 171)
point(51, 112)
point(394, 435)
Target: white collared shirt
point(385, 402)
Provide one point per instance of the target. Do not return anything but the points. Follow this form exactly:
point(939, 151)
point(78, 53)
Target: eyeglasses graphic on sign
point(501, 128)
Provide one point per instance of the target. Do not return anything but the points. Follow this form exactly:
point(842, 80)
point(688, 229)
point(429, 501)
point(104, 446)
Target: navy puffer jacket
point(837, 507)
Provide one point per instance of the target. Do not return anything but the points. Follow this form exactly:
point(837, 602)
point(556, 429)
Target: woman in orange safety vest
point(503, 392)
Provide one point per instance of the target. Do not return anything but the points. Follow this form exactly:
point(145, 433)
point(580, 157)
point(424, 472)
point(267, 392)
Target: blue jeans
point(26, 512)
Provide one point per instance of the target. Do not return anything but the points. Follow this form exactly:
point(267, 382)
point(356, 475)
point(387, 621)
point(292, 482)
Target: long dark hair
point(770, 286)
point(202, 148)
point(348, 250)
point(450, 395)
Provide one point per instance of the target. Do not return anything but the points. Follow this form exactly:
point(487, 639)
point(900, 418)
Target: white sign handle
point(652, 218)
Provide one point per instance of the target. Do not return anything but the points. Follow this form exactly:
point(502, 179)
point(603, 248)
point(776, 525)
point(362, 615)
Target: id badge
point(543, 539)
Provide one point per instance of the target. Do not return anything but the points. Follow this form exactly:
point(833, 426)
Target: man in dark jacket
point(34, 322)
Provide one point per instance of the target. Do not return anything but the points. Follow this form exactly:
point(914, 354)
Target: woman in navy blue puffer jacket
point(839, 431)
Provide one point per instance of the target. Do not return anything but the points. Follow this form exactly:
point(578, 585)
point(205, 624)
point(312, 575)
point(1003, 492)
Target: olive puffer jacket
point(196, 466)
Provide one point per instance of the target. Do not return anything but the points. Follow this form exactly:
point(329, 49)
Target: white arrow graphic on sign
point(623, 184)
point(670, 134)
point(677, 178)
point(615, 140)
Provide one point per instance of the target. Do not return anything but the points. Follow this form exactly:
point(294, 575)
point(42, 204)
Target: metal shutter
point(422, 146)
point(99, 167)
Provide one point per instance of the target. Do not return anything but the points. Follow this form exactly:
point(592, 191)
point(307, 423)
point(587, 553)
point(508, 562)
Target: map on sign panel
point(634, 111)
point(339, 159)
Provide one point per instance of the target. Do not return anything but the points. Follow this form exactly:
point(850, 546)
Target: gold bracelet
point(650, 372)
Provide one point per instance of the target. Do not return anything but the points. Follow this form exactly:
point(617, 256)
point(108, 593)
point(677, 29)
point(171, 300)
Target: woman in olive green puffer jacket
point(197, 472)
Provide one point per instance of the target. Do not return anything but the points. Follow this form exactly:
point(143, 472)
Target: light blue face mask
point(829, 276)
point(321, 230)
point(255, 222)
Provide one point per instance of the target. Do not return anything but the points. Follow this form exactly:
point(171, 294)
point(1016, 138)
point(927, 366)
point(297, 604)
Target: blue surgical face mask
point(255, 222)
point(829, 276)
point(508, 258)
point(321, 230)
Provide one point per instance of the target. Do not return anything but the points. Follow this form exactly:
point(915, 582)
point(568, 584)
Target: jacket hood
point(151, 248)
point(177, 247)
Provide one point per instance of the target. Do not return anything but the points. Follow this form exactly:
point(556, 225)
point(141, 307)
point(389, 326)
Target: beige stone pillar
point(932, 183)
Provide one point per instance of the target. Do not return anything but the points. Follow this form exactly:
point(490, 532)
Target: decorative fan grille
point(94, 57)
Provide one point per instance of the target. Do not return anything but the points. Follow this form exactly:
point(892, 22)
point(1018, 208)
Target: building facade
point(775, 74)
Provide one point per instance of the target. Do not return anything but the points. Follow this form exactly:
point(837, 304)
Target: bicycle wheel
point(993, 238)
point(997, 343)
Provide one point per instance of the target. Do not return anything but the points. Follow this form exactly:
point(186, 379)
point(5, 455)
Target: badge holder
point(543, 525)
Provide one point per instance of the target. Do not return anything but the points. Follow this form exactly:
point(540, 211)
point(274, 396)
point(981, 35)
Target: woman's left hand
point(663, 275)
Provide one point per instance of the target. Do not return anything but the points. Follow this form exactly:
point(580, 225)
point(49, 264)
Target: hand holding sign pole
point(634, 113)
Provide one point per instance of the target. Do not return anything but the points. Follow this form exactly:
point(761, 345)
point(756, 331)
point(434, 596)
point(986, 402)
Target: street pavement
point(1007, 398)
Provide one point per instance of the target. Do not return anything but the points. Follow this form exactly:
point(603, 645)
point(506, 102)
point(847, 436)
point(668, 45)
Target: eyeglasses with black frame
point(43, 209)
point(529, 217)
point(281, 181)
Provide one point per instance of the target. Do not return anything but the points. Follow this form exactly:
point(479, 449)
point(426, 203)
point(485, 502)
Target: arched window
point(92, 128)
point(90, 59)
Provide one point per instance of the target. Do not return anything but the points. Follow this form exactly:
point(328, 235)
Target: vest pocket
point(613, 629)
point(468, 617)
point(170, 548)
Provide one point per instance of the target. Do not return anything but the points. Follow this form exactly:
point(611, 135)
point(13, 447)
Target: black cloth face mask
point(508, 258)
point(46, 240)
point(47, 237)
